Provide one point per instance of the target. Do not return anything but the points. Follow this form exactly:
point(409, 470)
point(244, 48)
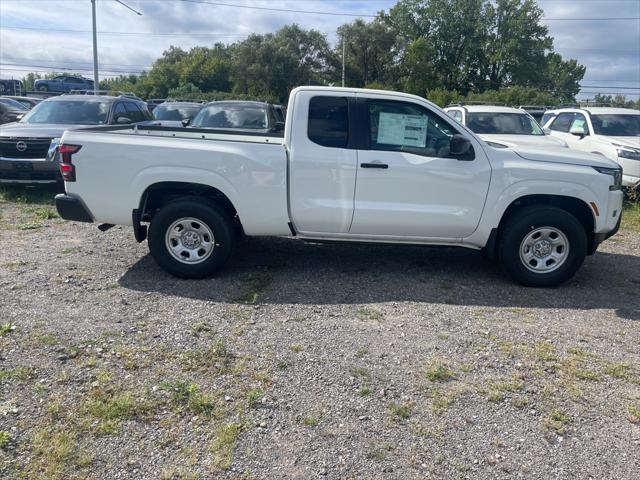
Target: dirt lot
point(309, 361)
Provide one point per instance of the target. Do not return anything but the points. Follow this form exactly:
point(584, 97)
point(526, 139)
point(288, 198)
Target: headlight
point(52, 153)
point(627, 152)
point(616, 173)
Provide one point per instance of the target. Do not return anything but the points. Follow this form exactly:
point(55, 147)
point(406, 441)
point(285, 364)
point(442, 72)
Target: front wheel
point(190, 238)
point(43, 88)
point(542, 246)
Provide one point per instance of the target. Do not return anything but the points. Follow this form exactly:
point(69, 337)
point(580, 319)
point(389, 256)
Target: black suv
point(239, 115)
point(28, 147)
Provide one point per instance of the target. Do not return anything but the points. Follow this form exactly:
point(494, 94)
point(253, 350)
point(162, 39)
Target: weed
point(21, 374)
point(589, 375)
point(254, 285)
point(556, 420)
point(310, 420)
point(361, 372)
point(6, 329)
point(617, 370)
point(441, 401)
point(5, 439)
point(401, 411)
point(498, 389)
point(365, 314)
point(111, 408)
point(361, 352)
point(188, 394)
point(439, 371)
point(28, 226)
point(634, 414)
point(40, 213)
point(14, 265)
point(296, 347)
point(253, 396)
point(365, 391)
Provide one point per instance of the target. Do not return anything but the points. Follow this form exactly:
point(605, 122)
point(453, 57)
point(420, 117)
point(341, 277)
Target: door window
point(119, 111)
point(402, 126)
point(329, 121)
point(579, 121)
point(562, 122)
point(134, 113)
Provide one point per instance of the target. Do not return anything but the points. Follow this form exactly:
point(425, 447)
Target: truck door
point(322, 165)
point(407, 183)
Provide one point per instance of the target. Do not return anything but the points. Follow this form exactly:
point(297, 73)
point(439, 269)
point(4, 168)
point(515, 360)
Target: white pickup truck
point(353, 165)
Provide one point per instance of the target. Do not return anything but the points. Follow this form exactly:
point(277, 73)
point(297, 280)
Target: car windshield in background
point(616, 125)
point(175, 112)
point(232, 116)
point(69, 113)
point(502, 123)
point(13, 104)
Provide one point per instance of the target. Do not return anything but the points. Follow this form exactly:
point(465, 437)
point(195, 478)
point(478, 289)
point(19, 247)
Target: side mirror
point(459, 146)
point(186, 122)
point(578, 131)
point(19, 117)
point(547, 131)
point(123, 121)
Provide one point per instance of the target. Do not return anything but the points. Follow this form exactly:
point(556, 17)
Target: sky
point(46, 35)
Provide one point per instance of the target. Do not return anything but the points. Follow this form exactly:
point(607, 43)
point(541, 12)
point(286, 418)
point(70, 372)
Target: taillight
point(67, 169)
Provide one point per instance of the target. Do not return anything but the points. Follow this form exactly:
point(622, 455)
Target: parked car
point(11, 87)
point(354, 165)
point(28, 102)
point(536, 111)
point(237, 115)
point(505, 125)
point(10, 110)
point(611, 132)
point(152, 103)
point(176, 114)
point(28, 147)
point(63, 83)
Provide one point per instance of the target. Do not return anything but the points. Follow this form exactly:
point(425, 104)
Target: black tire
point(44, 88)
point(211, 217)
point(527, 221)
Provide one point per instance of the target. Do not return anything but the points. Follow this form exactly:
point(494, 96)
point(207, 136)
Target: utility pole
point(96, 80)
point(343, 60)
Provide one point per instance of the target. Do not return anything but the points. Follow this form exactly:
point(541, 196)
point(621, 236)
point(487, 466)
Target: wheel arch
point(576, 206)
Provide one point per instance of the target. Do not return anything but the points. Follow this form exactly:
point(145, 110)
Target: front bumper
point(72, 208)
point(32, 170)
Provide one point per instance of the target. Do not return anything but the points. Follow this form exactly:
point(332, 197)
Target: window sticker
point(401, 129)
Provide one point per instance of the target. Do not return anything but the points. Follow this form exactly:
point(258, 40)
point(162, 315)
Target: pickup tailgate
point(114, 168)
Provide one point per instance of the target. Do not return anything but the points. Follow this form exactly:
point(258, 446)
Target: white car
point(611, 132)
point(354, 165)
point(508, 126)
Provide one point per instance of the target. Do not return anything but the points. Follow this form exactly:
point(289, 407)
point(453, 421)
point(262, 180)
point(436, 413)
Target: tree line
point(446, 50)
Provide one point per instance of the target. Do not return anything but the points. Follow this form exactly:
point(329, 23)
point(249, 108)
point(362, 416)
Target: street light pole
point(96, 81)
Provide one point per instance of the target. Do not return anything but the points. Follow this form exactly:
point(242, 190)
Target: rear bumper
point(72, 208)
point(28, 171)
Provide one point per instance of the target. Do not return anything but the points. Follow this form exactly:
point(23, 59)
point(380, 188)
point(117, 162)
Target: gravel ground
point(306, 361)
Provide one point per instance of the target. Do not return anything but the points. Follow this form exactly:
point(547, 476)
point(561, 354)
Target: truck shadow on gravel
point(285, 271)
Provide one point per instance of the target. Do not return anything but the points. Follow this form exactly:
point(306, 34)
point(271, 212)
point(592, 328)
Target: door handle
point(374, 165)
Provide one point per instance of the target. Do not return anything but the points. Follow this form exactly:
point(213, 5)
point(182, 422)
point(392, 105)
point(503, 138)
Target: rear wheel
point(43, 88)
point(542, 246)
point(191, 239)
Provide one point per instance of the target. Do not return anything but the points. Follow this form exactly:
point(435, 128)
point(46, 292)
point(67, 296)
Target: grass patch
point(634, 414)
point(223, 443)
point(556, 420)
point(296, 347)
point(5, 439)
point(365, 391)
point(499, 389)
point(439, 371)
point(55, 455)
point(254, 285)
point(217, 355)
point(441, 401)
point(400, 410)
point(631, 216)
point(310, 420)
point(21, 374)
point(29, 226)
point(41, 195)
point(40, 213)
point(254, 396)
point(14, 265)
point(110, 408)
point(617, 370)
point(368, 314)
point(6, 329)
point(188, 395)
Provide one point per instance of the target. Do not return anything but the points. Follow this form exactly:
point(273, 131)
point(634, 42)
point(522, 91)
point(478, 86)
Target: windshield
point(616, 125)
point(14, 104)
point(175, 112)
point(69, 113)
point(503, 123)
point(232, 116)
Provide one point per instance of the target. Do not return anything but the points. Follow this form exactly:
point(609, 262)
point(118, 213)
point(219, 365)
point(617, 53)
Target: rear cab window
point(328, 124)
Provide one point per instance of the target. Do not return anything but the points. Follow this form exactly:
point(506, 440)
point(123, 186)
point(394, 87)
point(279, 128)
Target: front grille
point(36, 147)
